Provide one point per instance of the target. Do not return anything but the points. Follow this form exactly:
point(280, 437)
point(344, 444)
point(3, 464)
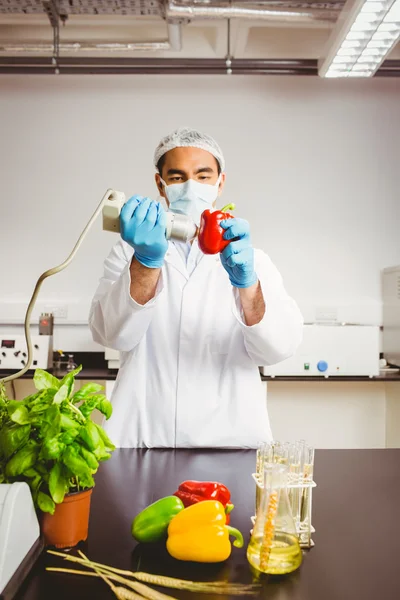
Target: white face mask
point(191, 198)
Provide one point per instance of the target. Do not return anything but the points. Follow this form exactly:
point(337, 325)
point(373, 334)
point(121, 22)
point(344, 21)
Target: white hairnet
point(185, 137)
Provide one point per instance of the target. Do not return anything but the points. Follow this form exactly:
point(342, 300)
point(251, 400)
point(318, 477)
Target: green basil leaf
point(104, 456)
point(69, 381)
point(90, 435)
point(91, 402)
point(61, 395)
point(12, 437)
point(89, 458)
point(22, 460)
point(57, 483)
point(50, 422)
point(42, 402)
point(105, 407)
point(52, 448)
point(43, 470)
point(75, 463)
point(44, 380)
point(100, 450)
point(107, 442)
point(41, 407)
point(18, 413)
point(86, 390)
point(45, 503)
point(67, 437)
point(31, 472)
point(71, 376)
point(68, 422)
point(34, 398)
point(35, 484)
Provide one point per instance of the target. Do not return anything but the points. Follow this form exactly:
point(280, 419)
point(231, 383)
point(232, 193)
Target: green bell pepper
point(151, 525)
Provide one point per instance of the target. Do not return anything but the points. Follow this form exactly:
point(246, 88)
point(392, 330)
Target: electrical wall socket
point(60, 311)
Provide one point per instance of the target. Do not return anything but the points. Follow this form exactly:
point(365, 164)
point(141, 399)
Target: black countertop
point(91, 373)
point(355, 514)
point(383, 377)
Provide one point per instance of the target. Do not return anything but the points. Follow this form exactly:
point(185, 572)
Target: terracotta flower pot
point(70, 522)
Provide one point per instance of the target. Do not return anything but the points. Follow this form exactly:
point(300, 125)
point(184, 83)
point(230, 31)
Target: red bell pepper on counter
point(211, 233)
point(192, 492)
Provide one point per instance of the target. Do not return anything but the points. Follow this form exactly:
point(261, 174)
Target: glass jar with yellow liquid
point(274, 545)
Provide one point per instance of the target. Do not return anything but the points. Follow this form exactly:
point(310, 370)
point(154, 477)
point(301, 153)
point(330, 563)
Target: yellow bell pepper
point(199, 533)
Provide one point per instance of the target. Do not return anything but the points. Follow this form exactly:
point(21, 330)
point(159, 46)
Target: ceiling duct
point(174, 42)
point(256, 12)
point(175, 14)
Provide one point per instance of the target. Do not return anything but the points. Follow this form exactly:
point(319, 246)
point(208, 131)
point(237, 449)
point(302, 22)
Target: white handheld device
point(179, 227)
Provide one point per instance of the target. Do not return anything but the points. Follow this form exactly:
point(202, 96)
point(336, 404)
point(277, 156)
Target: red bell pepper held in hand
point(192, 492)
point(210, 238)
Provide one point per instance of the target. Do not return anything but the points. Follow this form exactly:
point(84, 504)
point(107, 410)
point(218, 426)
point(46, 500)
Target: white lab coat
point(189, 365)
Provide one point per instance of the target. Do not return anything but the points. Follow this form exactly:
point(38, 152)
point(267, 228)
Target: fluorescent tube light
point(365, 33)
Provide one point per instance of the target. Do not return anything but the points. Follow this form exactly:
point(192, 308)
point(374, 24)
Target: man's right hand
point(143, 225)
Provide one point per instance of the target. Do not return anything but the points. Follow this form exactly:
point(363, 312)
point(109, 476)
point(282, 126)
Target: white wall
point(313, 164)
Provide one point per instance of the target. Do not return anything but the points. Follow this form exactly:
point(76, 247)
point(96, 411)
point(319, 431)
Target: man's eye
point(204, 177)
point(175, 179)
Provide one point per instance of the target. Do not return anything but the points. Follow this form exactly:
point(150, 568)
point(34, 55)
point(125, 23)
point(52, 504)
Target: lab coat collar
point(174, 258)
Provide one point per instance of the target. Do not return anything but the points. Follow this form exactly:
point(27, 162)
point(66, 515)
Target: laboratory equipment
point(112, 357)
point(333, 351)
point(46, 324)
point(20, 544)
point(71, 365)
point(391, 315)
point(274, 545)
point(298, 457)
point(179, 227)
point(14, 351)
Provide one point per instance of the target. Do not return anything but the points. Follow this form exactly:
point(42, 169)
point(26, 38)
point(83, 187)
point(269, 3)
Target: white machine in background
point(13, 351)
point(333, 351)
point(326, 350)
point(112, 358)
point(20, 543)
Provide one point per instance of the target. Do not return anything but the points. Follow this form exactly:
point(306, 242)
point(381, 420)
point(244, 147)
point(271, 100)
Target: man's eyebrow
point(175, 172)
point(204, 170)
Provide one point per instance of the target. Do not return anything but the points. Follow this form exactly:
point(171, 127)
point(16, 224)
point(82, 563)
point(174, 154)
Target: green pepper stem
point(228, 207)
point(236, 533)
point(229, 508)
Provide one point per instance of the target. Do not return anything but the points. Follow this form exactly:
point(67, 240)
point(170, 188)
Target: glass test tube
point(305, 510)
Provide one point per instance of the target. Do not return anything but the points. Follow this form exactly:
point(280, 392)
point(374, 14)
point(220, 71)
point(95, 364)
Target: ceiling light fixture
point(363, 36)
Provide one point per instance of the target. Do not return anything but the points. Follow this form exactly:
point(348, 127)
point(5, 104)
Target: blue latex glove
point(143, 224)
point(238, 257)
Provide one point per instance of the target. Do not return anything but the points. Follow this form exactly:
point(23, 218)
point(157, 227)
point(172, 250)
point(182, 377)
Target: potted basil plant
point(49, 441)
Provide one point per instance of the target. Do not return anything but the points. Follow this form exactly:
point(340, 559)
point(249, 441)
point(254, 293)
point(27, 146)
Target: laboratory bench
point(334, 412)
point(90, 373)
point(355, 514)
point(393, 376)
point(105, 374)
point(95, 367)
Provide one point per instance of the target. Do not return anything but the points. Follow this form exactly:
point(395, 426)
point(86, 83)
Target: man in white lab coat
point(192, 329)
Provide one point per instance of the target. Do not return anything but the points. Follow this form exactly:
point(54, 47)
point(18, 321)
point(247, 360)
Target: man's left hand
point(238, 257)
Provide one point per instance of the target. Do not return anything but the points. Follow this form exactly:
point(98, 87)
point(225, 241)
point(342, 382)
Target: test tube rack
point(303, 525)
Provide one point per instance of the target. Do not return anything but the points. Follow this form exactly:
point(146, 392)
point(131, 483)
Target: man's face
point(182, 164)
